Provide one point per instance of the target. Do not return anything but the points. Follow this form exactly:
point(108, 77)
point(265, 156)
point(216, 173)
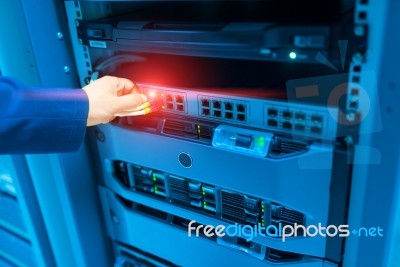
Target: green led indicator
point(155, 189)
point(260, 141)
point(204, 193)
point(205, 203)
point(154, 177)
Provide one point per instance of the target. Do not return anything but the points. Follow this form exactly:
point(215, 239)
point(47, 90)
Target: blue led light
point(292, 55)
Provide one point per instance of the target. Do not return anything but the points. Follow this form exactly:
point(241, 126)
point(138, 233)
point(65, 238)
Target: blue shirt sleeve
point(36, 120)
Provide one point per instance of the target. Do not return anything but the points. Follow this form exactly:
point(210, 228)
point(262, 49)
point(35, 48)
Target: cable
point(113, 61)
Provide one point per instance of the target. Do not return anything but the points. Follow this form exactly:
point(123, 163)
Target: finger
point(123, 86)
point(134, 113)
point(129, 102)
point(141, 107)
point(135, 90)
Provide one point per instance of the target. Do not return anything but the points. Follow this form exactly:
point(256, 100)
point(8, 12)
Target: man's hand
point(109, 96)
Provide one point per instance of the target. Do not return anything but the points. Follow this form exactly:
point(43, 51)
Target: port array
point(226, 109)
point(173, 101)
point(297, 121)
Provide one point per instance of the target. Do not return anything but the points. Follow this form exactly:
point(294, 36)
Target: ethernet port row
point(240, 108)
point(240, 117)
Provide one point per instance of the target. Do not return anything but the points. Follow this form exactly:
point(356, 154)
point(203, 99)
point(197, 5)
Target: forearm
point(41, 120)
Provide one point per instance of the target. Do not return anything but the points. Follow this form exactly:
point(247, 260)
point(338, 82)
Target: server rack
point(57, 181)
point(161, 172)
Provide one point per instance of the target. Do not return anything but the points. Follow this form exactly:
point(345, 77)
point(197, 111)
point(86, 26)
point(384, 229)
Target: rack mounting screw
point(359, 30)
point(60, 35)
point(351, 116)
point(115, 219)
point(357, 58)
point(100, 135)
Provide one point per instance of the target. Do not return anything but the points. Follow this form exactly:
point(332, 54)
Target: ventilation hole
point(362, 15)
point(356, 79)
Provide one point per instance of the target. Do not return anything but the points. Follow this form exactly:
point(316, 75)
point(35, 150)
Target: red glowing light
point(155, 101)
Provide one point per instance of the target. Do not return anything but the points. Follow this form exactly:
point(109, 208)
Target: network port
point(228, 115)
point(272, 123)
point(272, 112)
point(205, 102)
point(316, 118)
point(316, 130)
point(170, 106)
point(228, 106)
point(241, 117)
point(169, 98)
point(287, 114)
point(179, 99)
point(217, 104)
point(180, 107)
point(217, 113)
point(300, 116)
point(205, 111)
point(241, 108)
point(287, 125)
point(299, 127)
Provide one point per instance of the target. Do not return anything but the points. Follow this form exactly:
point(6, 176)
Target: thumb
point(129, 102)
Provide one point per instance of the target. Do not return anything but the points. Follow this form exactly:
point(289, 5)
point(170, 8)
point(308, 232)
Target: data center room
point(266, 135)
